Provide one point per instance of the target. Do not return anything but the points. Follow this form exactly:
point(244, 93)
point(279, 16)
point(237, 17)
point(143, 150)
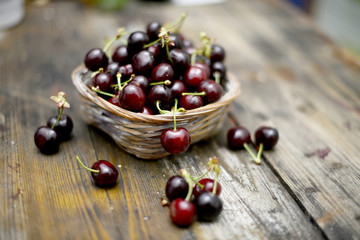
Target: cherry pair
point(48, 138)
point(188, 201)
point(265, 139)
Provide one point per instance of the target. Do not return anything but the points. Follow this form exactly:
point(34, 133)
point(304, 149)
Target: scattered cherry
point(47, 140)
point(63, 126)
point(103, 172)
point(176, 187)
point(208, 206)
point(207, 186)
point(182, 212)
point(237, 137)
point(266, 135)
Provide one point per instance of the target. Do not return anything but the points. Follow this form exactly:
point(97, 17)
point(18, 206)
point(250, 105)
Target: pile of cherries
point(48, 138)
point(194, 197)
point(265, 139)
point(156, 70)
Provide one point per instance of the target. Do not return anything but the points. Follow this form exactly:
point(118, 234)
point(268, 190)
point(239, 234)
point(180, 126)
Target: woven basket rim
point(77, 79)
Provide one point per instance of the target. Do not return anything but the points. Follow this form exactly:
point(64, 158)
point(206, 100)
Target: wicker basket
point(139, 134)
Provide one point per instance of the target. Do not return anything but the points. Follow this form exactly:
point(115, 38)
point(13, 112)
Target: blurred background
point(339, 19)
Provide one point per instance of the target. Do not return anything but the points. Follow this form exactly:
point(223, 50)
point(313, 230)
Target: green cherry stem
point(194, 94)
point(110, 42)
point(203, 175)
point(246, 146)
point(87, 168)
point(60, 112)
point(159, 109)
point(193, 58)
point(102, 92)
point(118, 78)
point(152, 43)
point(258, 157)
point(166, 82)
point(197, 182)
point(187, 177)
point(175, 111)
point(178, 23)
point(216, 180)
point(217, 77)
point(168, 52)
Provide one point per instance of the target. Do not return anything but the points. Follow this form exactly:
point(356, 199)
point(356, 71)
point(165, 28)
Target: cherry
point(153, 30)
point(182, 212)
point(218, 67)
point(63, 127)
point(121, 55)
point(208, 206)
point(213, 90)
point(142, 81)
point(187, 43)
point(194, 75)
point(154, 49)
point(103, 172)
point(181, 60)
point(146, 110)
point(267, 136)
point(115, 101)
point(143, 62)
point(136, 42)
point(126, 70)
point(237, 137)
point(47, 140)
point(176, 187)
point(95, 59)
point(160, 93)
point(103, 80)
point(191, 102)
point(177, 88)
point(162, 72)
point(217, 53)
point(112, 68)
point(132, 97)
point(205, 67)
point(208, 186)
point(175, 141)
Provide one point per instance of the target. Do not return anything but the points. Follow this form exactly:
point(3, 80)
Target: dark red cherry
point(237, 137)
point(126, 71)
point(136, 42)
point(112, 68)
point(142, 81)
point(218, 67)
point(194, 75)
point(208, 187)
point(176, 187)
point(146, 110)
point(182, 212)
point(115, 101)
point(103, 80)
point(107, 174)
point(176, 38)
point(213, 90)
point(187, 43)
point(158, 55)
point(217, 53)
point(63, 127)
point(47, 140)
point(121, 55)
point(177, 88)
point(95, 59)
point(143, 63)
point(180, 60)
point(153, 30)
point(191, 102)
point(162, 72)
point(175, 142)
point(205, 67)
point(266, 135)
point(162, 93)
point(132, 97)
point(208, 206)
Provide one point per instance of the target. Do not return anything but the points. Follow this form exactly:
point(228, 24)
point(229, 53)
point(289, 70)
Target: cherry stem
point(118, 78)
point(215, 182)
point(207, 171)
point(193, 58)
point(60, 112)
point(175, 110)
point(197, 182)
point(217, 77)
point(109, 43)
point(188, 179)
point(166, 82)
point(159, 109)
point(151, 43)
point(102, 92)
point(87, 168)
point(258, 158)
point(194, 94)
point(168, 52)
point(246, 146)
point(177, 23)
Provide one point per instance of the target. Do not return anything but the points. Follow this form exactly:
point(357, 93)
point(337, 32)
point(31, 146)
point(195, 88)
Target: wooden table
point(293, 78)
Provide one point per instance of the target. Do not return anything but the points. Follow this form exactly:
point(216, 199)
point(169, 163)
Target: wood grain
point(306, 188)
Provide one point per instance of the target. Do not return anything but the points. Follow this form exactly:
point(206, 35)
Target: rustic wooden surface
point(292, 76)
